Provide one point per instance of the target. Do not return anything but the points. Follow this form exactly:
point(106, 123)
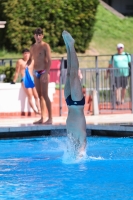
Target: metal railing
point(109, 94)
point(94, 70)
point(114, 92)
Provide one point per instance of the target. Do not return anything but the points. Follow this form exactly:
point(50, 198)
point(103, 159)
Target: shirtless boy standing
point(41, 54)
point(30, 91)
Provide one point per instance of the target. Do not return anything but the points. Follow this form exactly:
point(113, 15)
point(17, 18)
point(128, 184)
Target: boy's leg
point(38, 88)
point(123, 91)
point(29, 94)
point(36, 100)
point(44, 79)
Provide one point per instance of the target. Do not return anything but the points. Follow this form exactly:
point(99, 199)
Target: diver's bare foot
point(38, 122)
point(63, 35)
point(68, 52)
point(49, 121)
point(68, 38)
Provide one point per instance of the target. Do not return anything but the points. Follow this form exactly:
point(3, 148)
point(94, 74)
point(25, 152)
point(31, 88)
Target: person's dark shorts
point(121, 81)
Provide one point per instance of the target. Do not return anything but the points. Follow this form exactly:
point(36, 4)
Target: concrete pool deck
point(106, 125)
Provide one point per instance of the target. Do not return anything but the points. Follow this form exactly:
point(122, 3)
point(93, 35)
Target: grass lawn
point(110, 30)
point(5, 54)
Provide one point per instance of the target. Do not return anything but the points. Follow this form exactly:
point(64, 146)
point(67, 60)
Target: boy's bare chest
point(23, 65)
point(39, 53)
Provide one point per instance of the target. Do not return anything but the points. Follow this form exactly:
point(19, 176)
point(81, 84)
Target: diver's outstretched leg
point(67, 90)
point(75, 84)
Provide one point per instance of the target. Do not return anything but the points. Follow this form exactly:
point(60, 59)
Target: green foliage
point(104, 95)
point(4, 53)
point(57, 86)
point(9, 72)
point(23, 16)
point(2, 71)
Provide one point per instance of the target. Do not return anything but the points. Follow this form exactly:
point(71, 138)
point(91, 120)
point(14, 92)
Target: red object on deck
point(55, 71)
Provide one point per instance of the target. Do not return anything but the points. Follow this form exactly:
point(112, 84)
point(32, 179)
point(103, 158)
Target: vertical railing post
point(97, 76)
point(113, 85)
point(2, 61)
point(131, 80)
point(10, 68)
point(60, 87)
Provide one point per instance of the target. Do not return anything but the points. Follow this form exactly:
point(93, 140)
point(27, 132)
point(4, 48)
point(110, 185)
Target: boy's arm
point(48, 57)
point(31, 57)
point(129, 58)
point(17, 71)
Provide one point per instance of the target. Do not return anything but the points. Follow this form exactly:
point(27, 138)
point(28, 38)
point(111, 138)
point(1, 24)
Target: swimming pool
point(35, 168)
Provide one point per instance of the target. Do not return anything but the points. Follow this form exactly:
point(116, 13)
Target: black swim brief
point(70, 102)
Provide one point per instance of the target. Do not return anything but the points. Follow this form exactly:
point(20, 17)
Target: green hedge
point(9, 72)
point(54, 16)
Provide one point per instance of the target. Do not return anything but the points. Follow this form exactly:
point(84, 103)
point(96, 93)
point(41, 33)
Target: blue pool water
point(36, 169)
